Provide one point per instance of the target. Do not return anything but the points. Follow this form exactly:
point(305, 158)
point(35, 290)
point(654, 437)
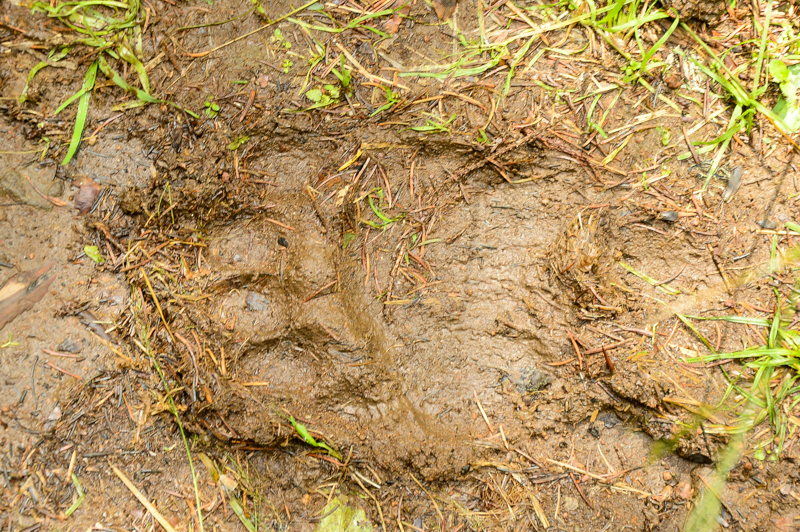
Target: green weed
point(212, 109)
point(435, 124)
point(113, 27)
point(323, 97)
point(385, 220)
point(392, 99)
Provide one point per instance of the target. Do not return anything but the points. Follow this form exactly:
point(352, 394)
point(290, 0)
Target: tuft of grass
point(773, 392)
point(623, 21)
point(114, 29)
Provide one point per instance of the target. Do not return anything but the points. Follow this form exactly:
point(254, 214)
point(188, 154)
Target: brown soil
point(450, 365)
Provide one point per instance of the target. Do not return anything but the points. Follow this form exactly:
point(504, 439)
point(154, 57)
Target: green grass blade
point(81, 496)
point(71, 99)
point(239, 511)
point(744, 320)
point(747, 353)
point(23, 97)
point(83, 110)
point(51, 61)
point(128, 55)
point(762, 49)
point(122, 84)
point(776, 322)
point(638, 22)
point(695, 331)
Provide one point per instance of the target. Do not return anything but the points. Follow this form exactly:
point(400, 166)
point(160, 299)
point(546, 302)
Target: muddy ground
point(452, 342)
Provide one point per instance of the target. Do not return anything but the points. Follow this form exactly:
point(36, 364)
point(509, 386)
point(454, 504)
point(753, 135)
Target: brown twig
point(577, 350)
point(315, 294)
point(580, 491)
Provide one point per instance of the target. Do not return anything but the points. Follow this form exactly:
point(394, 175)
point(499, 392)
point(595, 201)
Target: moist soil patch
point(449, 300)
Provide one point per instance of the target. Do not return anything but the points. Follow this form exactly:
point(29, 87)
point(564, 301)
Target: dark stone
point(69, 346)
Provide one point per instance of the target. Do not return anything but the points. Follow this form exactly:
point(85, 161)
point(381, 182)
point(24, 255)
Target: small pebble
point(668, 216)
point(70, 346)
point(734, 182)
point(767, 224)
point(667, 476)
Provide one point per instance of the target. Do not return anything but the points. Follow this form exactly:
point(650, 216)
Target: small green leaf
point(332, 90)
point(315, 95)
point(83, 111)
point(236, 144)
point(212, 469)
point(338, 516)
point(302, 431)
point(93, 253)
point(81, 496)
point(779, 71)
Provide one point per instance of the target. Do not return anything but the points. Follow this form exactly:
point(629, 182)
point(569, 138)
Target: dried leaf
point(86, 195)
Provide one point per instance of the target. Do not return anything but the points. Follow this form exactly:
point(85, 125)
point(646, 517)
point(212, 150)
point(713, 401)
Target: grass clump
point(114, 29)
point(766, 390)
point(772, 369)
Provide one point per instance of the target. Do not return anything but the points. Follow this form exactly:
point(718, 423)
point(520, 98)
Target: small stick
point(577, 350)
point(720, 270)
point(363, 71)
point(62, 370)
point(483, 413)
point(249, 104)
point(691, 147)
point(672, 278)
point(674, 329)
point(609, 364)
point(580, 491)
point(428, 494)
point(55, 201)
point(562, 363)
point(72, 464)
point(248, 34)
point(503, 436)
point(315, 294)
point(138, 494)
point(637, 331)
point(276, 222)
point(603, 348)
point(60, 354)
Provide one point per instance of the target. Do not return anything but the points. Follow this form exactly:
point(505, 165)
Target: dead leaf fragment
point(444, 8)
point(392, 25)
point(86, 195)
point(23, 291)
